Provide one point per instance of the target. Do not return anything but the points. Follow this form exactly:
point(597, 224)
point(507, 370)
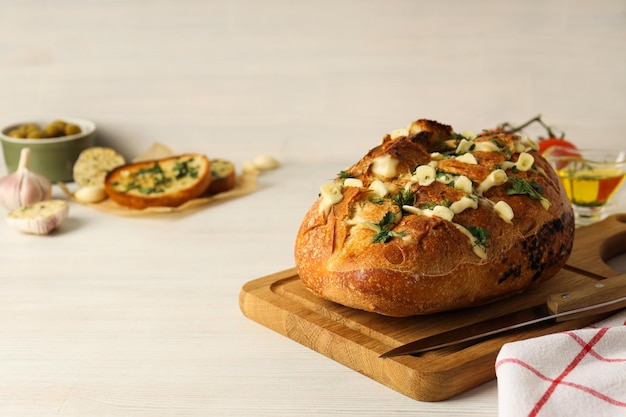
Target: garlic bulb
point(24, 186)
point(39, 218)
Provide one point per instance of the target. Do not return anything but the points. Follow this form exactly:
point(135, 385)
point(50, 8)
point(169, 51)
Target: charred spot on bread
point(512, 272)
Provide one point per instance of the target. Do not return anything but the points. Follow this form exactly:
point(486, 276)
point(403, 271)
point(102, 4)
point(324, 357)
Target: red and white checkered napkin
point(575, 373)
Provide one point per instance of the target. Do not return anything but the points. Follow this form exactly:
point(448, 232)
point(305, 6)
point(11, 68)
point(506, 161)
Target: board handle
point(597, 298)
point(597, 243)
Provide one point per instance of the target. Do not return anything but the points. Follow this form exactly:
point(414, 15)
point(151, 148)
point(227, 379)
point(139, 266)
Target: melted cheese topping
point(425, 175)
point(497, 177)
point(353, 182)
point(469, 134)
point(445, 178)
point(463, 204)
point(525, 161)
point(442, 212)
point(468, 158)
point(463, 183)
point(503, 210)
point(506, 165)
point(464, 146)
point(530, 143)
point(413, 210)
point(487, 146)
point(379, 187)
point(478, 250)
point(385, 166)
point(436, 156)
point(331, 194)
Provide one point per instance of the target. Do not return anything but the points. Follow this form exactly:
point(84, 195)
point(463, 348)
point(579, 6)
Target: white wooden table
point(118, 316)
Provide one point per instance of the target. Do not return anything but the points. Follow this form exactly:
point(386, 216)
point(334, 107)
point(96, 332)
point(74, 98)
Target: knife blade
point(600, 297)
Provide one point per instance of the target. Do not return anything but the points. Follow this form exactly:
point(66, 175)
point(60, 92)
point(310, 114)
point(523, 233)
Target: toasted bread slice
point(223, 176)
point(167, 182)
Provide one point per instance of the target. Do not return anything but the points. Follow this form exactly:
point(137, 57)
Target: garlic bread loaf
point(167, 182)
point(432, 220)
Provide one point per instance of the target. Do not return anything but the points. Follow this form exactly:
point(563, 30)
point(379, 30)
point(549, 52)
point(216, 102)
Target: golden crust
point(167, 182)
point(427, 264)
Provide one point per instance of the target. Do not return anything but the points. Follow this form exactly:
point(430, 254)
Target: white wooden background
point(323, 78)
point(92, 325)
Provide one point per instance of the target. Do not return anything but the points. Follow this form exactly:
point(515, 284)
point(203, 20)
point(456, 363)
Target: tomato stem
point(508, 128)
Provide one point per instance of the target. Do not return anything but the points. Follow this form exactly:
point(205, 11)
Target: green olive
point(23, 129)
point(53, 131)
point(17, 133)
point(71, 129)
point(59, 123)
point(30, 126)
point(36, 134)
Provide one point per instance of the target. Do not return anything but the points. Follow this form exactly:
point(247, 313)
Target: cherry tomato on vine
point(559, 152)
point(549, 142)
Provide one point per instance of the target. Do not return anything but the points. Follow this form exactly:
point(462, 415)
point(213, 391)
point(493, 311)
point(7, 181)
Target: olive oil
point(591, 187)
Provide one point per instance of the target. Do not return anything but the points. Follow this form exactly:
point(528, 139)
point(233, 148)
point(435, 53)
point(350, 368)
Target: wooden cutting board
point(356, 338)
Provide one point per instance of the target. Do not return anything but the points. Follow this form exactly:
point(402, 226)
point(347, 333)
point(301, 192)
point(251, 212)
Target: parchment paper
point(246, 183)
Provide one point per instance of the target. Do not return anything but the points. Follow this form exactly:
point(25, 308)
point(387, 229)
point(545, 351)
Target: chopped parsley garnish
point(404, 198)
point(183, 169)
point(481, 234)
point(503, 147)
point(152, 179)
point(449, 153)
point(385, 234)
point(457, 136)
point(431, 204)
point(445, 177)
point(532, 189)
point(427, 205)
point(345, 174)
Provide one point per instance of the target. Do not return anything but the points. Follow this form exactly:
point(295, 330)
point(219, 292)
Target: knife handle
point(601, 294)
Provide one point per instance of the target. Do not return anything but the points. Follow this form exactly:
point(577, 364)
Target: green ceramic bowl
point(53, 157)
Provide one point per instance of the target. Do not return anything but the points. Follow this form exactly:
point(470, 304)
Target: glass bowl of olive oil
point(592, 179)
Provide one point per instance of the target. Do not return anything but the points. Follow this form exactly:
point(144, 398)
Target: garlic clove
point(248, 167)
point(265, 162)
point(90, 194)
point(23, 187)
point(39, 218)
